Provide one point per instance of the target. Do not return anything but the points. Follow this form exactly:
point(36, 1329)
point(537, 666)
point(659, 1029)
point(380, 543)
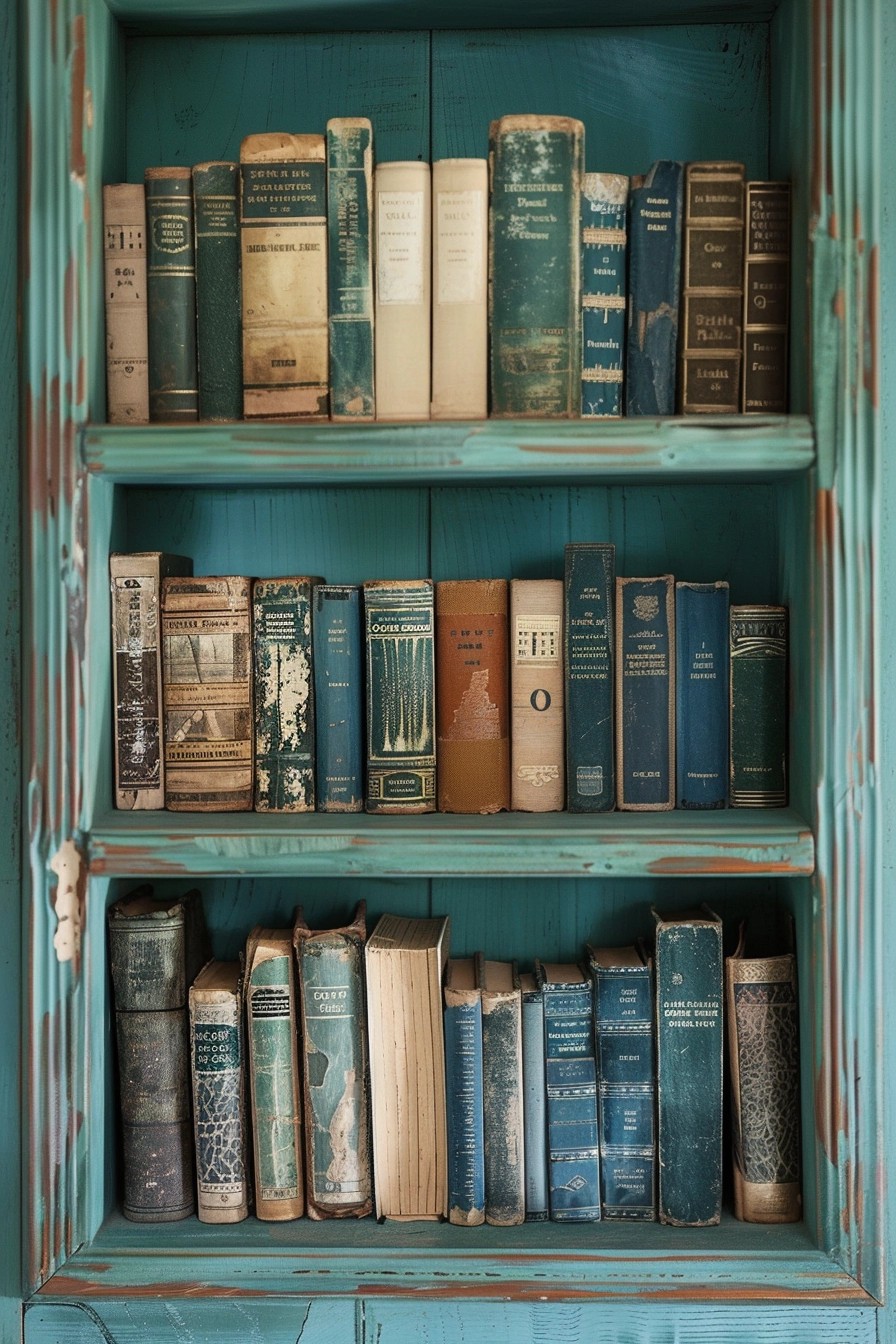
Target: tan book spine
point(538, 777)
point(217, 1060)
point(127, 333)
point(403, 305)
point(460, 289)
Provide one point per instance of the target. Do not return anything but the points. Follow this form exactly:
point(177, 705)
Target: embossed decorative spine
point(571, 1087)
point(645, 694)
point(758, 691)
point(284, 694)
point(463, 1087)
point(604, 288)
point(218, 1060)
point(338, 643)
point(127, 336)
point(219, 339)
point(766, 299)
point(403, 295)
point(538, 775)
point(712, 296)
point(651, 359)
point(350, 267)
point(701, 692)
point(459, 289)
point(171, 296)
point(590, 585)
point(502, 1092)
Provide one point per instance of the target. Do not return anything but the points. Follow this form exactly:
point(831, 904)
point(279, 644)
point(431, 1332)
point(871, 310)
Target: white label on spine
point(399, 246)
point(460, 225)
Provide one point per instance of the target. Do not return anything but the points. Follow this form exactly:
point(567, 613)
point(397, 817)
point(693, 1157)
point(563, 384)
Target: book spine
point(536, 166)
point(401, 745)
point(472, 709)
point(766, 298)
point(127, 337)
point(623, 999)
point(502, 1107)
point(403, 296)
point(274, 1080)
point(350, 264)
point(219, 1109)
point(571, 1088)
point(466, 1143)
point(460, 289)
point(137, 681)
point(338, 698)
point(284, 695)
point(219, 338)
point(604, 232)
point(590, 593)
point(701, 688)
point(758, 717)
point(171, 296)
point(655, 211)
point(713, 288)
point(645, 693)
point(535, 1141)
point(537, 719)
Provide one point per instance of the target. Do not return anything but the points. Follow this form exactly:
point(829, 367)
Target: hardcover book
point(459, 289)
point(284, 694)
point(218, 1062)
point(350, 264)
point(588, 658)
point(403, 296)
point(701, 690)
point(766, 298)
point(124, 272)
point(338, 645)
point(758, 722)
point(502, 1092)
point(171, 296)
point(219, 337)
point(535, 1123)
point(571, 1085)
point(538, 779)
point(604, 289)
point(464, 1083)
point(645, 694)
point(655, 211)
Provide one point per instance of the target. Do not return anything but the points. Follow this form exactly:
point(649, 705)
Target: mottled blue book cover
point(701, 692)
point(590, 594)
point(463, 1074)
point(604, 231)
point(535, 1133)
point(338, 697)
point(655, 216)
point(350, 267)
point(571, 1082)
point(645, 693)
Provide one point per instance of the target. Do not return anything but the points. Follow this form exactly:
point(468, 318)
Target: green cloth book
point(350, 266)
point(218, 303)
point(171, 295)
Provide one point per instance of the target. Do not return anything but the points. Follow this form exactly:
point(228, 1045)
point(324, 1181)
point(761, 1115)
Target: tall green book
point(350, 267)
point(171, 295)
point(218, 304)
point(758, 691)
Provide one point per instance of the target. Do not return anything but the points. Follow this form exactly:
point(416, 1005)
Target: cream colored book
point(403, 295)
point(218, 1067)
point(538, 767)
point(460, 289)
point(127, 333)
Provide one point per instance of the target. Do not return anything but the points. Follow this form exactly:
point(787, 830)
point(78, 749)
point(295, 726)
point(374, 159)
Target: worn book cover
point(571, 1089)
point(604, 292)
point(218, 1062)
point(651, 362)
point(538, 773)
point(124, 272)
point(403, 290)
point(758, 717)
point(535, 1125)
point(766, 299)
point(350, 267)
point(589, 590)
point(463, 1086)
point(171, 296)
point(701, 692)
point(502, 1092)
point(219, 336)
point(645, 693)
point(337, 639)
point(284, 694)
point(459, 289)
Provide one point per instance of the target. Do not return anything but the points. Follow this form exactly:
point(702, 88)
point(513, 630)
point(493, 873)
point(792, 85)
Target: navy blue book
point(571, 1080)
point(590, 593)
point(463, 1087)
point(645, 694)
point(535, 1133)
point(655, 217)
point(338, 697)
point(502, 1099)
point(604, 226)
point(701, 694)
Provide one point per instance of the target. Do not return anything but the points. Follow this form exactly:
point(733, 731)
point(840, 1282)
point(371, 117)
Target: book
point(701, 694)
point(338, 664)
point(155, 950)
point(651, 360)
point(207, 694)
point(274, 1080)
point(689, 1066)
point(571, 1089)
point(401, 743)
point(459, 289)
point(350, 267)
point(624, 1030)
point(171, 296)
point(766, 298)
point(136, 593)
point(502, 1092)
point(403, 295)
point(472, 707)
point(535, 171)
point(124, 274)
point(535, 1124)
point(283, 247)
point(219, 336)
point(712, 298)
point(405, 960)
point(463, 1086)
point(645, 694)
point(218, 1066)
point(589, 592)
point(604, 290)
point(284, 694)
point(758, 719)
point(538, 778)
point(339, 1173)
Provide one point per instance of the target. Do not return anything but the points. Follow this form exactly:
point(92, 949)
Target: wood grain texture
point(206, 1322)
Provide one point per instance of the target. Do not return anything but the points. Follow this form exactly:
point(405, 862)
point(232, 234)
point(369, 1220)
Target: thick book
point(136, 592)
point(535, 170)
point(283, 245)
point(766, 299)
point(274, 1079)
point(124, 273)
point(405, 960)
point(219, 336)
point(535, 1121)
point(604, 292)
point(502, 1092)
point(624, 1034)
point(403, 293)
point(350, 267)
point(464, 1082)
point(338, 1167)
point(571, 1086)
point(459, 289)
point(701, 694)
point(171, 296)
point(218, 1065)
point(645, 694)
point(538, 756)
point(284, 694)
point(651, 360)
point(590, 595)
point(473, 703)
point(207, 695)
point(758, 695)
point(712, 297)
point(689, 1041)
point(156, 948)
point(338, 662)
point(401, 742)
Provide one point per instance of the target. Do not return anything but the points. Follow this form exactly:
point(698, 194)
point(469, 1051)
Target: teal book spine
point(535, 1133)
point(219, 334)
point(338, 645)
point(463, 1088)
point(171, 296)
point(571, 1087)
point(284, 695)
point(645, 693)
point(536, 166)
point(604, 290)
point(651, 362)
point(590, 599)
point(701, 689)
point(758, 714)
point(350, 265)
point(502, 1093)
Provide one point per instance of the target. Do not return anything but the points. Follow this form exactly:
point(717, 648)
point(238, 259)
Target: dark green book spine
point(350, 265)
point(171, 295)
point(218, 307)
point(758, 689)
point(590, 591)
point(284, 695)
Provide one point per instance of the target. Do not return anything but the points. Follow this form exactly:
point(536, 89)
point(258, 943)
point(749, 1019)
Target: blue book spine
point(535, 1134)
point(701, 691)
point(590, 593)
point(338, 697)
point(645, 694)
point(655, 218)
point(604, 229)
point(463, 1078)
point(571, 1085)
point(350, 267)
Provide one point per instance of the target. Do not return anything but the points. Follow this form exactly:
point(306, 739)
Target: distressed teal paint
point(139, 1321)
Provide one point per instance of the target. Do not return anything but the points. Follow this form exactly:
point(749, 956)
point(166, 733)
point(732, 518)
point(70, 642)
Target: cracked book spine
point(571, 1088)
point(604, 232)
point(171, 296)
point(338, 647)
point(502, 1092)
point(350, 267)
point(538, 773)
point(218, 302)
point(651, 360)
point(127, 336)
point(534, 1099)
point(463, 1078)
point(588, 647)
point(284, 694)
point(645, 694)
point(217, 1058)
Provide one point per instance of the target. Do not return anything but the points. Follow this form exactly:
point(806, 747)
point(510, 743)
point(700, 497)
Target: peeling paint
point(68, 902)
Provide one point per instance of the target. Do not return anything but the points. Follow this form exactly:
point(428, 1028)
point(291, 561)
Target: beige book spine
point(538, 769)
point(127, 333)
point(460, 289)
point(403, 305)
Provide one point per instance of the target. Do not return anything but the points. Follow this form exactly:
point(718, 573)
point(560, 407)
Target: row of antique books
point(306, 282)
point(379, 1075)
point(586, 693)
